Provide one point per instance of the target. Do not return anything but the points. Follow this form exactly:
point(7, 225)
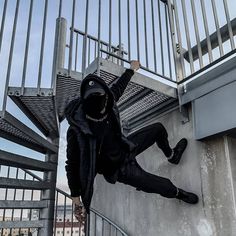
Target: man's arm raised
point(118, 87)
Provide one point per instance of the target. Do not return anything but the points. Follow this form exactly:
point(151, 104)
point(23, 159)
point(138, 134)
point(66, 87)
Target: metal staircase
point(32, 201)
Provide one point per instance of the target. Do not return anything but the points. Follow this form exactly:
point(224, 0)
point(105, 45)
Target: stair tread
point(24, 184)
point(16, 204)
point(22, 224)
point(14, 130)
point(15, 160)
point(40, 109)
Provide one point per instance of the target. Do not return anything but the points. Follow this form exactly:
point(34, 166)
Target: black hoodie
point(82, 143)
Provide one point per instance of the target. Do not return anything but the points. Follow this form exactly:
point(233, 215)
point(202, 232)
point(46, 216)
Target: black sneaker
point(190, 198)
point(178, 151)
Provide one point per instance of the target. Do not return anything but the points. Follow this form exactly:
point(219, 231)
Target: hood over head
point(96, 96)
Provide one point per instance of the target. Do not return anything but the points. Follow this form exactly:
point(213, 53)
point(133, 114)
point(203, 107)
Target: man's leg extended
point(132, 174)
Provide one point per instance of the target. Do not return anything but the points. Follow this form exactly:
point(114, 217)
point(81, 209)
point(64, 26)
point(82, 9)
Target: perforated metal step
point(10, 204)
point(21, 224)
point(38, 107)
point(67, 89)
point(14, 160)
point(142, 95)
point(14, 130)
point(24, 184)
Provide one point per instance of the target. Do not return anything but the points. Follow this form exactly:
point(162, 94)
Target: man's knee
point(160, 129)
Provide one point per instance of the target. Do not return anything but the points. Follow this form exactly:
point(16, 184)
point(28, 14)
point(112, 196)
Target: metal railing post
point(47, 214)
point(59, 49)
point(177, 59)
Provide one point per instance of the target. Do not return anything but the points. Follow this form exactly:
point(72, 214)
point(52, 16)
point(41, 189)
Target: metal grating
point(150, 101)
point(41, 110)
point(107, 77)
point(67, 90)
point(14, 130)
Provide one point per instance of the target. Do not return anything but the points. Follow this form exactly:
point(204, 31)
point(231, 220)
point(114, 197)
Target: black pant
point(132, 174)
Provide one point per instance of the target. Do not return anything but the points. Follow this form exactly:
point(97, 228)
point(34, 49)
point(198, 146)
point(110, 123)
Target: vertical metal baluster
point(178, 69)
point(168, 41)
point(161, 37)
point(23, 197)
point(95, 224)
point(197, 33)
point(179, 38)
point(229, 24)
point(10, 55)
point(71, 37)
point(55, 219)
point(76, 51)
point(95, 49)
point(27, 47)
point(84, 53)
point(89, 48)
point(103, 233)
point(137, 29)
point(110, 24)
point(154, 37)
point(30, 211)
point(217, 27)
point(64, 217)
point(72, 219)
point(14, 198)
point(42, 46)
point(120, 49)
point(128, 22)
point(145, 32)
point(99, 37)
point(190, 54)
point(209, 48)
point(3, 22)
point(60, 9)
point(6, 194)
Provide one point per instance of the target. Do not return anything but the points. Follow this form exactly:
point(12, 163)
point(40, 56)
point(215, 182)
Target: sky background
point(36, 37)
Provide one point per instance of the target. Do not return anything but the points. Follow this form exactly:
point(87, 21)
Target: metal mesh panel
point(14, 131)
point(67, 90)
point(151, 100)
point(43, 110)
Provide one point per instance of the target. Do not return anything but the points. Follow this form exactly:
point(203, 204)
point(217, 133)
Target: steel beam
point(14, 160)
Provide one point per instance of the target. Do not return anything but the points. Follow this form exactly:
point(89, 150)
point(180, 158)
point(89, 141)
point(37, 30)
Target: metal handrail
point(200, 42)
point(66, 195)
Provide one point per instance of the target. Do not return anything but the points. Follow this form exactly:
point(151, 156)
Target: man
point(97, 145)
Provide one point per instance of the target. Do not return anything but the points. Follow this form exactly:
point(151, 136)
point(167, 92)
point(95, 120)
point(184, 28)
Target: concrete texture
point(208, 168)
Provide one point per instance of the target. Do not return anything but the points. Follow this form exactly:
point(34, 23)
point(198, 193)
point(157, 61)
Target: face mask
point(95, 105)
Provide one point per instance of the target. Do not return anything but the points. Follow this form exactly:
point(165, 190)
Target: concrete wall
point(207, 168)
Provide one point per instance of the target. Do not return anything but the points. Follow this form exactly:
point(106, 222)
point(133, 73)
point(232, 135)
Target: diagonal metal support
point(14, 130)
point(14, 160)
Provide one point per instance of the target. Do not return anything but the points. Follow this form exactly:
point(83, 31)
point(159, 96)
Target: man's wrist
point(77, 201)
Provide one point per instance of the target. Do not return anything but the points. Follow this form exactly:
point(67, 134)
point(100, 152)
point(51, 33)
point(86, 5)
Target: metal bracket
point(183, 108)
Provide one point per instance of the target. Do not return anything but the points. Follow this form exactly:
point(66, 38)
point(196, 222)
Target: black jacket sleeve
point(72, 163)
point(118, 87)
